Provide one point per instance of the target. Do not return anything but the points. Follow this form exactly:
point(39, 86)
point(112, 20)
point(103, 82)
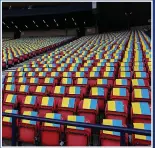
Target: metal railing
point(122, 130)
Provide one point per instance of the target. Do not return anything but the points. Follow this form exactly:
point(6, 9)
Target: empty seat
point(28, 103)
point(120, 94)
point(23, 89)
point(46, 104)
point(10, 80)
point(89, 109)
point(41, 74)
point(76, 91)
point(10, 74)
point(10, 100)
point(7, 124)
point(53, 74)
point(141, 95)
point(124, 74)
point(77, 136)
point(10, 88)
point(30, 74)
point(50, 133)
point(67, 106)
point(141, 75)
point(28, 128)
point(66, 81)
point(117, 110)
point(38, 90)
point(141, 140)
point(140, 83)
point(140, 112)
point(48, 81)
point(79, 74)
point(108, 75)
point(81, 82)
point(20, 74)
point(93, 74)
point(33, 81)
point(21, 80)
point(99, 93)
point(112, 138)
point(66, 74)
point(58, 91)
point(122, 83)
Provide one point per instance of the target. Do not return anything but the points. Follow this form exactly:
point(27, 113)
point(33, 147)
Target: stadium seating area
point(15, 51)
point(99, 79)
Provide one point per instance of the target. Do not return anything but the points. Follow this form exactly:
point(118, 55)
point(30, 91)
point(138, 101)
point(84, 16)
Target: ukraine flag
point(102, 81)
point(90, 104)
point(119, 92)
point(10, 87)
point(121, 81)
point(9, 119)
point(141, 108)
point(75, 118)
point(24, 88)
point(30, 100)
point(141, 93)
point(59, 90)
point(29, 113)
point(116, 106)
point(97, 91)
point(47, 101)
point(52, 116)
point(68, 102)
point(74, 90)
point(11, 98)
point(82, 81)
point(138, 82)
point(41, 89)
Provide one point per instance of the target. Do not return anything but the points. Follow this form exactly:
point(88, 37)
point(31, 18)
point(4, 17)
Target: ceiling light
point(3, 23)
point(20, 31)
point(7, 26)
point(10, 7)
point(36, 25)
point(84, 22)
point(16, 26)
point(72, 18)
point(26, 26)
point(54, 20)
point(130, 12)
point(34, 22)
point(44, 21)
point(75, 23)
point(65, 19)
point(47, 25)
point(57, 24)
point(12, 22)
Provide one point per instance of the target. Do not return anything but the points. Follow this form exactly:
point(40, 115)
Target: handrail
point(122, 130)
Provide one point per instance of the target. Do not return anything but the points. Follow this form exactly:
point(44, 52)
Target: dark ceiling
point(110, 16)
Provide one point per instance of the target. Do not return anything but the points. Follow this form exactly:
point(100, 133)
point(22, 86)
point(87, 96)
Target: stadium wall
point(70, 32)
point(7, 34)
point(90, 30)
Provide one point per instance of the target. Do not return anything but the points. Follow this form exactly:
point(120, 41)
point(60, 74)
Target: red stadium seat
point(50, 133)
point(28, 128)
point(112, 138)
point(120, 94)
point(10, 88)
point(89, 109)
point(21, 80)
point(76, 91)
point(141, 140)
point(7, 124)
point(140, 112)
point(77, 136)
point(117, 110)
point(23, 89)
point(99, 93)
point(67, 106)
point(46, 105)
point(10, 80)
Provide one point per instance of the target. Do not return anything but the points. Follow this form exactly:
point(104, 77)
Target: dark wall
point(112, 15)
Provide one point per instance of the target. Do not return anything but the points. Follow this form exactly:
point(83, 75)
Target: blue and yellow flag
point(30, 100)
point(73, 69)
point(121, 82)
point(11, 98)
point(141, 93)
point(31, 74)
point(119, 92)
point(125, 74)
point(9, 119)
point(41, 89)
point(79, 74)
point(54, 74)
point(141, 108)
point(52, 116)
point(116, 106)
point(97, 91)
point(11, 74)
point(144, 126)
point(34, 80)
point(24, 88)
point(125, 68)
point(109, 68)
point(59, 90)
point(11, 79)
point(138, 82)
point(22, 80)
point(47, 69)
point(82, 81)
point(66, 81)
point(140, 74)
point(27, 69)
point(66, 74)
point(76, 119)
point(74, 90)
point(68, 102)
point(96, 69)
point(112, 122)
point(21, 74)
point(10, 87)
point(90, 104)
point(102, 81)
point(108, 74)
point(47, 101)
point(30, 113)
point(48, 80)
point(38, 69)
point(94, 74)
point(42, 74)
point(83, 69)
